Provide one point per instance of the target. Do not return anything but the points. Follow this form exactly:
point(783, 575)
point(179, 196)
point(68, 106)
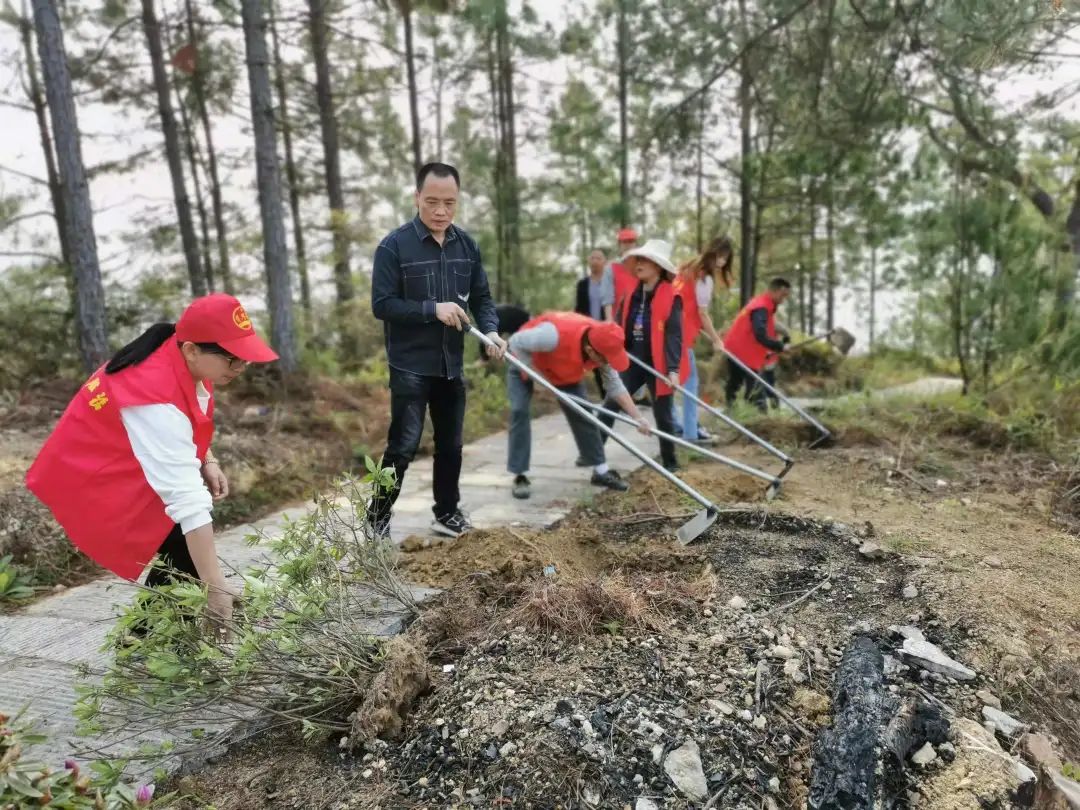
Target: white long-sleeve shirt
point(164, 445)
point(544, 337)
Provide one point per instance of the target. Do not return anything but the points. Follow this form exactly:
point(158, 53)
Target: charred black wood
point(845, 754)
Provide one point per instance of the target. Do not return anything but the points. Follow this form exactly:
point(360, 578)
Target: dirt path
point(923, 388)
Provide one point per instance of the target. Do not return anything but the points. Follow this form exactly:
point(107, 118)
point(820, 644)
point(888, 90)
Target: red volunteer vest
point(686, 289)
point(565, 365)
point(87, 473)
point(740, 340)
point(625, 283)
point(662, 301)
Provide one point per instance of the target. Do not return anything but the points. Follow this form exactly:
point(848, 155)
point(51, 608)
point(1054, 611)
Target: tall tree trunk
point(1065, 297)
point(439, 82)
point(191, 152)
point(198, 86)
point(624, 138)
point(196, 273)
point(746, 231)
point(268, 178)
point(410, 69)
point(343, 281)
point(873, 295)
point(77, 214)
point(511, 196)
point(291, 174)
point(41, 114)
point(811, 315)
point(830, 271)
point(499, 172)
point(699, 171)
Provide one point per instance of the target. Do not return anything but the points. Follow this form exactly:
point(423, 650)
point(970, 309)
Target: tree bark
point(811, 286)
point(268, 178)
point(873, 295)
point(198, 86)
point(504, 74)
point(343, 281)
point(436, 58)
point(196, 272)
point(191, 152)
point(746, 230)
point(291, 175)
point(77, 213)
point(624, 139)
point(410, 69)
point(499, 171)
point(699, 170)
point(830, 270)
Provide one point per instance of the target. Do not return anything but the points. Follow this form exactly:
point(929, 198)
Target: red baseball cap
point(609, 339)
point(626, 235)
point(221, 319)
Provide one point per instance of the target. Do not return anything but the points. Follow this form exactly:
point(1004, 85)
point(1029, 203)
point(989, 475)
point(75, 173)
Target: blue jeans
point(587, 437)
point(689, 407)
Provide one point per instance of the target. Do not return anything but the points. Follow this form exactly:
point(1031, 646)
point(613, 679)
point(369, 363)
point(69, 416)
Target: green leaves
point(14, 585)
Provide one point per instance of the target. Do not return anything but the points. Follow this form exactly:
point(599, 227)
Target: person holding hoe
point(651, 316)
point(128, 472)
point(425, 273)
point(564, 347)
point(752, 338)
point(696, 284)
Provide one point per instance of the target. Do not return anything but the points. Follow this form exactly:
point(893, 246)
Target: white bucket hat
point(655, 250)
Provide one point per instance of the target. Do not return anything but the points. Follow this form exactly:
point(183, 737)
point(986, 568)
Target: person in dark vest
point(595, 297)
point(652, 321)
point(752, 338)
point(564, 347)
point(425, 273)
point(128, 472)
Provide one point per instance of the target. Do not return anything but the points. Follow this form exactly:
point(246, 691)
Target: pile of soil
point(608, 684)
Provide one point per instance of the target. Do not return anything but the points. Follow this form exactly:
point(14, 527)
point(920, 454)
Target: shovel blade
point(842, 340)
point(696, 526)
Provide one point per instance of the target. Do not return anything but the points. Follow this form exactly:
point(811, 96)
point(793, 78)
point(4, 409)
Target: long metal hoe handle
point(824, 430)
point(585, 414)
point(738, 465)
point(745, 431)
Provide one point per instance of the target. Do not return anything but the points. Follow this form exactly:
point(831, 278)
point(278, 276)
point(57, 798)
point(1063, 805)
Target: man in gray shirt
point(564, 347)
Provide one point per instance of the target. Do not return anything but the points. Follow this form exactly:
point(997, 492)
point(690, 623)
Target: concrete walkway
point(925, 387)
point(43, 646)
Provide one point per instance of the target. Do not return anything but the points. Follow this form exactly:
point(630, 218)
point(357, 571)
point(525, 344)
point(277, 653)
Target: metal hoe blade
point(696, 526)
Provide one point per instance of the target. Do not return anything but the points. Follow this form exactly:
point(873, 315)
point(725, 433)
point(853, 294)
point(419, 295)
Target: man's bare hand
point(673, 379)
point(496, 350)
point(451, 314)
point(643, 426)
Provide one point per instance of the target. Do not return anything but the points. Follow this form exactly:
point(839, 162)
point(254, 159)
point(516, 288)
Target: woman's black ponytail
point(141, 347)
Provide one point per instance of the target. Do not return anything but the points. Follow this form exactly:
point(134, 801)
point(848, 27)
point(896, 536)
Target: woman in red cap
point(128, 472)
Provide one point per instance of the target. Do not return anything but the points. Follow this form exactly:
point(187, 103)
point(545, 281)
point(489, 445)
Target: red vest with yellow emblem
point(565, 365)
point(87, 473)
point(740, 340)
point(662, 301)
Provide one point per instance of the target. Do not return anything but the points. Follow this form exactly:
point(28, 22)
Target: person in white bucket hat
point(651, 317)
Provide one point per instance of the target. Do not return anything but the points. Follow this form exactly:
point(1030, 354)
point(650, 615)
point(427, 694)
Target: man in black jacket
point(426, 272)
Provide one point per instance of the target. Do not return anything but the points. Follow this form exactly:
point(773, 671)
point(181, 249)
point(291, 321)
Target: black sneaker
point(377, 528)
point(611, 480)
point(522, 488)
point(453, 525)
point(672, 466)
point(581, 462)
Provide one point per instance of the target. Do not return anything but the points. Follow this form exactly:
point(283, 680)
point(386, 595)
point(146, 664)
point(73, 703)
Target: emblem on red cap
point(240, 318)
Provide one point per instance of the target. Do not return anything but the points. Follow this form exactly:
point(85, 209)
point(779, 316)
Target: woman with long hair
point(696, 285)
point(128, 472)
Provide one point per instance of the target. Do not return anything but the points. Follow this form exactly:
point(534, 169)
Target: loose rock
point(910, 592)
point(737, 602)
point(924, 756)
point(931, 658)
point(645, 804)
point(683, 767)
point(872, 551)
point(1003, 723)
point(988, 698)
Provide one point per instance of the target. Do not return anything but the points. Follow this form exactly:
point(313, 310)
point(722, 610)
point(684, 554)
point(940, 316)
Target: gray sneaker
point(611, 480)
point(522, 487)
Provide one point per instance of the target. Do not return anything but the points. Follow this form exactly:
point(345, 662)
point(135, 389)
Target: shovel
point(774, 480)
point(841, 339)
point(689, 531)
